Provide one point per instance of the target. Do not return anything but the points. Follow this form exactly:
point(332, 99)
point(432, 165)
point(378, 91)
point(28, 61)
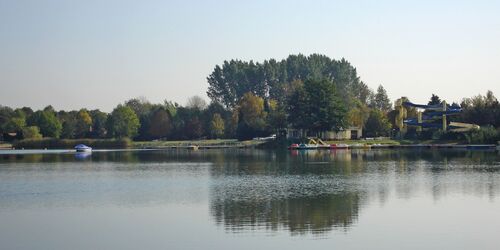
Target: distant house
point(350, 133)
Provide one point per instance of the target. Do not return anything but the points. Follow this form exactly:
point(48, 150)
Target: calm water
point(250, 199)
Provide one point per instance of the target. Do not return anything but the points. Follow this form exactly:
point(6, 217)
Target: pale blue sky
point(96, 54)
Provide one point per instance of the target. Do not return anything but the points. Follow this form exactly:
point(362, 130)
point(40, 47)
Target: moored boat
point(307, 146)
point(83, 148)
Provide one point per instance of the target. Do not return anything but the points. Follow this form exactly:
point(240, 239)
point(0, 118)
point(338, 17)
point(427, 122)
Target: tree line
point(247, 99)
point(313, 93)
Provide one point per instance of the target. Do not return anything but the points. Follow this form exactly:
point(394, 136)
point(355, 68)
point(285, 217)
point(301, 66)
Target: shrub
point(484, 135)
point(31, 132)
point(448, 136)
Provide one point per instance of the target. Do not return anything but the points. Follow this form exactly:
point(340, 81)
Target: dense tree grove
point(248, 99)
point(317, 106)
point(275, 79)
point(377, 124)
point(481, 110)
point(314, 93)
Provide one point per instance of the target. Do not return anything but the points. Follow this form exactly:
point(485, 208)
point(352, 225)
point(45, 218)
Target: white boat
point(83, 148)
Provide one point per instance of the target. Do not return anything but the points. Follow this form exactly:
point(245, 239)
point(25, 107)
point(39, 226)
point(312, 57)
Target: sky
point(97, 54)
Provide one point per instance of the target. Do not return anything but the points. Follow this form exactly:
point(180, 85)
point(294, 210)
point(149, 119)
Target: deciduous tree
point(47, 121)
point(161, 124)
point(123, 122)
point(217, 126)
point(377, 124)
point(83, 123)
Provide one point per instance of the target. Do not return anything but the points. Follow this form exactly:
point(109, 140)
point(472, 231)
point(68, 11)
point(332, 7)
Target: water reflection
point(302, 192)
point(319, 191)
point(299, 215)
point(82, 155)
point(355, 157)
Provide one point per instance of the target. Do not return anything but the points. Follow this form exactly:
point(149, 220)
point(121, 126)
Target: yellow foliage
point(251, 108)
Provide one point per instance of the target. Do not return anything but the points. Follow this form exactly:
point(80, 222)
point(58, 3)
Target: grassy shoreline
point(50, 143)
point(202, 143)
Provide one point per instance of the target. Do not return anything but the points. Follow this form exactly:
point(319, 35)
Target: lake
point(250, 199)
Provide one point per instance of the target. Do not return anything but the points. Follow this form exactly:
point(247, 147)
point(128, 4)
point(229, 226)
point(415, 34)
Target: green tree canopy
point(317, 106)
point(140, 105)
point(325, 108)
point(5, 115)
point(298, 107)
point(434, 100)
point(377, 124)
point(31, 132)
point(276, 117)
point(99, 120)
point(123, 122)
point(481, 110)
point(68, 129)
point(381, 100)
point(160, 124)
point(272, 79)
point(46, 120)
point(15, 124)
point(193, 128)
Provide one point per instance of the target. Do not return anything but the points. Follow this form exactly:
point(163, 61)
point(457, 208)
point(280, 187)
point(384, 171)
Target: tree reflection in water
point(301, 191)
point(320, 191)
point(299, 215)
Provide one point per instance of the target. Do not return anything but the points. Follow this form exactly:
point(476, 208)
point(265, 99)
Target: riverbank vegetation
point(219, 143)
point(53, 143)
point(253, 99)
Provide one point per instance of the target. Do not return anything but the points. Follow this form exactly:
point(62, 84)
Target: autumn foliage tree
point(252, 116)
point(160, 124)
point(217, 126)
point(83, 123)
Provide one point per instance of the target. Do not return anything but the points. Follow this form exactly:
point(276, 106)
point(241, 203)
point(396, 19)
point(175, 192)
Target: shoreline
point(208, 147)
point(233, 143)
